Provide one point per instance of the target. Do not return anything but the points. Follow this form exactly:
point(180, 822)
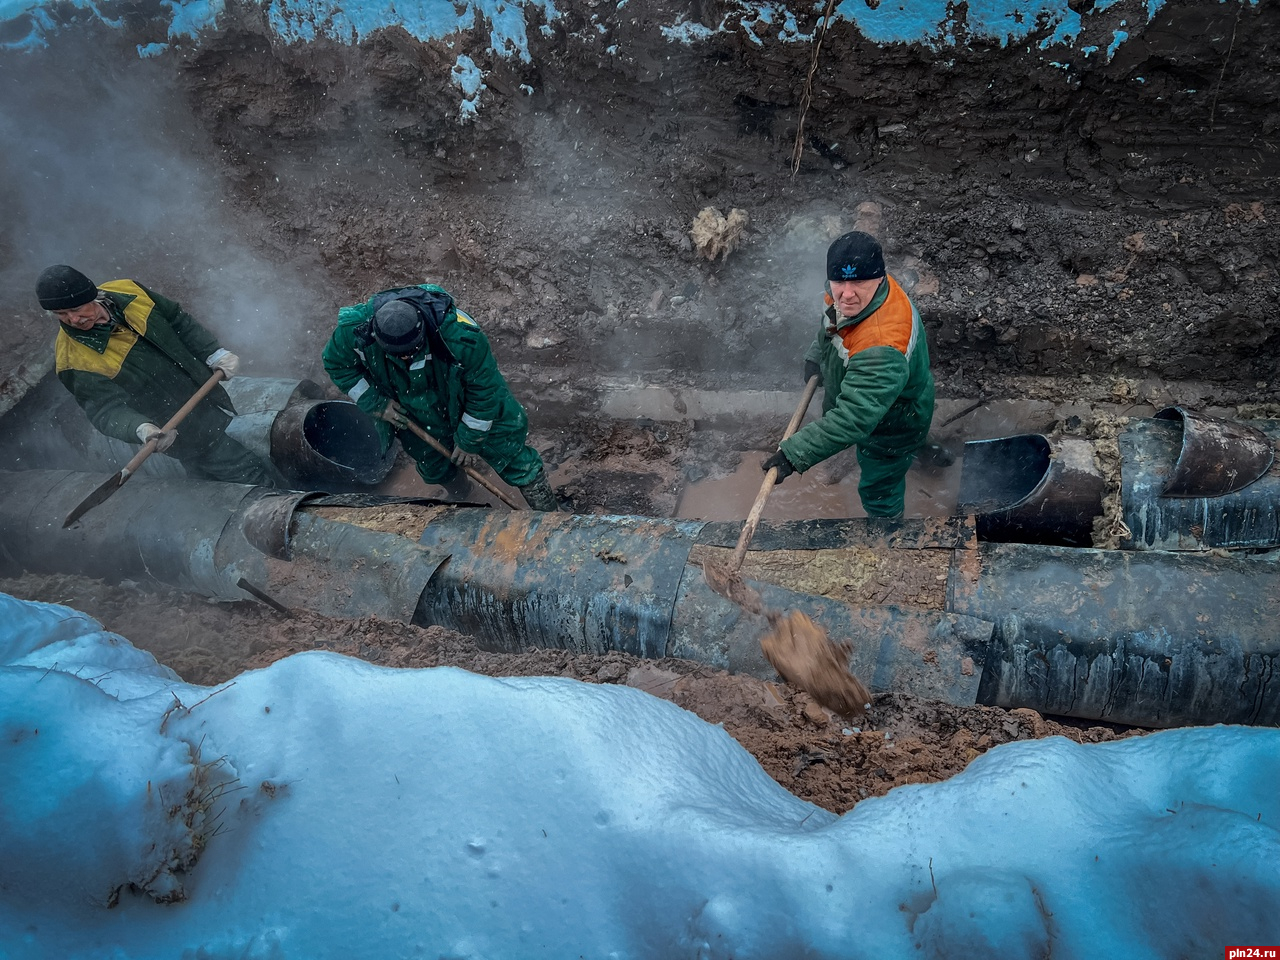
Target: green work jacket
point(461, 399)
point(878, 387)
point(142, 368)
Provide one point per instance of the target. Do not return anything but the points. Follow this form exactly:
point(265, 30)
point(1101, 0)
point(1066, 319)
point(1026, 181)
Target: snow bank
point(345, 810)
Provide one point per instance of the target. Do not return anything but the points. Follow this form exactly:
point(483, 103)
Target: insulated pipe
point(596, 583)
point(150, 529)
point(1152, 639)
point(1225, 483)
point(192, 535)
point(310, 439)
point(514, 580)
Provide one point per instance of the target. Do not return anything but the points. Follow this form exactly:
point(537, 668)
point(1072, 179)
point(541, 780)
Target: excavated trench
point(1087, 237)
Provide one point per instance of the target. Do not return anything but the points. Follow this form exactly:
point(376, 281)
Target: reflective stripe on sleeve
point(480, 425)
point(356, 392)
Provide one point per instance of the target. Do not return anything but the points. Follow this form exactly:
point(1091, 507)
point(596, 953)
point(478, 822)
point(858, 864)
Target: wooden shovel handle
point(444, 451)
point(770, 478)
point(149, 447)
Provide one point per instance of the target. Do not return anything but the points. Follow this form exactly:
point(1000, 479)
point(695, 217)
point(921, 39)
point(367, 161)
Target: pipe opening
point(329, 441)
point(342, 434)
point(1001, 473)
point(1030, 489)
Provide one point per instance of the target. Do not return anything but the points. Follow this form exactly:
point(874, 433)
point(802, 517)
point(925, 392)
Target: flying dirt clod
point(809, 660)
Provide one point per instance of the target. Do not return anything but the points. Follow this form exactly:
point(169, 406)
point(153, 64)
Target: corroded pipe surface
point(582, 583)
point(1217, 456)
point(1030, 489)
point(310, 439)
point(1156, 454)
point(592, 584)
point(1152, 639)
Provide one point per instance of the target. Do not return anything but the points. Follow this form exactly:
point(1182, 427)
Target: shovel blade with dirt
point(795, 646)
point(104, 490)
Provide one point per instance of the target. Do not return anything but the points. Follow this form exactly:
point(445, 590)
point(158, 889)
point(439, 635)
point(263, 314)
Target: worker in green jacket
point(409, 354)
point(132, 359)
point(872, 357)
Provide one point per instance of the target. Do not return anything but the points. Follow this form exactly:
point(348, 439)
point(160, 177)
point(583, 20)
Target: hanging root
point(808, 659)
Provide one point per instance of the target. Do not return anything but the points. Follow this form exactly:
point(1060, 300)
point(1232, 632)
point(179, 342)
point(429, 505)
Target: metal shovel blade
point(129, 469)
point(100, 493)
point(728, 582)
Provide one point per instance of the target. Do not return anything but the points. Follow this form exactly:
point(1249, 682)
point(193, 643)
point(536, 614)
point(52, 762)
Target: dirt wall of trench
point(1055, 213)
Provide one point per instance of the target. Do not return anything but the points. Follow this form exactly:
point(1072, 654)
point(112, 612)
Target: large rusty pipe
point(1153, 639)
point(311, 439)
point(514, 580)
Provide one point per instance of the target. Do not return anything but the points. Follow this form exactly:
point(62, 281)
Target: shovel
point(444, 451)
point(795, 646)
point(117, 481)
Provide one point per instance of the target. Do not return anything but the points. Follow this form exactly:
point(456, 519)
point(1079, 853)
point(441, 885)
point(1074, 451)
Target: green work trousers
point(230, 461)
point(882, 485)
point(512, 459)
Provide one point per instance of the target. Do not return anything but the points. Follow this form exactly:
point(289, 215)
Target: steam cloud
point(105, 169)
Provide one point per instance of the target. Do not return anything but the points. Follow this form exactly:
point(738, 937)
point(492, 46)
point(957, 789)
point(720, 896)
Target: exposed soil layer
point(817, 756)
point(1094, 223)
point(1056, 212)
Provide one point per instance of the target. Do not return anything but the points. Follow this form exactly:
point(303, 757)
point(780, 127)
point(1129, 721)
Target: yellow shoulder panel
point(71, 354)
point(139, 308)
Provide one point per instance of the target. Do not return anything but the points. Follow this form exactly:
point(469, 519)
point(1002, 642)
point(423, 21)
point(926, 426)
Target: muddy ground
point(831, 761)
point(1074, 229)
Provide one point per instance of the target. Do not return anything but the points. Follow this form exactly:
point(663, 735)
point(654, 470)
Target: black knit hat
point(64, 288)
point(855, 256)
point(398, 328)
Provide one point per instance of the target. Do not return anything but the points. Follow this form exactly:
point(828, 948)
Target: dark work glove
point(812, 370)
point(394, 414)
point(779, 460)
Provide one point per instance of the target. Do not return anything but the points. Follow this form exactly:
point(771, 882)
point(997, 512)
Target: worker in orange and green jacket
point(873, 360)
point(132, 359)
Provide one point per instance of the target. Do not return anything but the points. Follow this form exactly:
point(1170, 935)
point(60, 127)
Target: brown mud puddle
point(827, 491)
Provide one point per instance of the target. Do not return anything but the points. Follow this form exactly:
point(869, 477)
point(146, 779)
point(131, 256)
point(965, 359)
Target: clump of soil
point(820, 757)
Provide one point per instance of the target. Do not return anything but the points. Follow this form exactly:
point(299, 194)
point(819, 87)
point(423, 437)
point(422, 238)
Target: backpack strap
point(433, 306)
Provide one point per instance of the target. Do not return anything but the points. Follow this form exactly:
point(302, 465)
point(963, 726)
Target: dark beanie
point(855, 256)
point(398, 327)
point(64, 288)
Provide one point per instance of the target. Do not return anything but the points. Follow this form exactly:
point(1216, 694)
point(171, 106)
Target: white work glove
point(465, 460)
point(224, 360)
point(163, 438)
point(394, 414)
